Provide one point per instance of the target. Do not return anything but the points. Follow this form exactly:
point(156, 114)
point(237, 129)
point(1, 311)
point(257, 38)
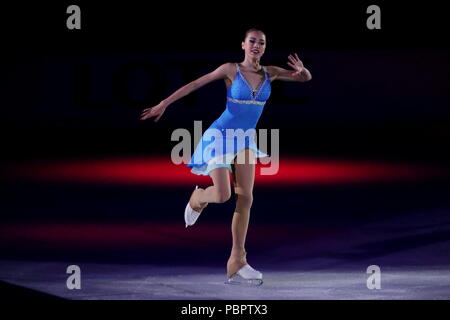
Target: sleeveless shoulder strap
point(237, 67)
point(267, 73)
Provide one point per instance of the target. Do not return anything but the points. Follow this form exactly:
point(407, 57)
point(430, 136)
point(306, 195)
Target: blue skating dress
point(235, 129)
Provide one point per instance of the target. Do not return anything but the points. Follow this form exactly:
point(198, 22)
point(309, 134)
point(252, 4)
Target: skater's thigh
point(244, 174)
point(221, 179)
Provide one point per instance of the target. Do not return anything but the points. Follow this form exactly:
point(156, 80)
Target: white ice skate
point(190, 215)
point(246, 276)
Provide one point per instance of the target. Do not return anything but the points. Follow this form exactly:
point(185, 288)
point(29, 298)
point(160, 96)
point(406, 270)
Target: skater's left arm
point(299, 72)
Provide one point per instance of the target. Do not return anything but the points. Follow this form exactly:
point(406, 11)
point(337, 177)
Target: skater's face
point(254, 44)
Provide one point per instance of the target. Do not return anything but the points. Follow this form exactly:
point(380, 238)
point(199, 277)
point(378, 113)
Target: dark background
point(375, 95)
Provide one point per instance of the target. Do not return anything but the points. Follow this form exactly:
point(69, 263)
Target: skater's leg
point(244, 175)
point(219, 192)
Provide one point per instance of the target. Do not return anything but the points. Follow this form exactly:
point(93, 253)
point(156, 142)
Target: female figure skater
point(248, 88)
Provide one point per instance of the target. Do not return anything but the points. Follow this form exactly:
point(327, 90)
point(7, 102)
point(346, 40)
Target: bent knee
point(223, 195)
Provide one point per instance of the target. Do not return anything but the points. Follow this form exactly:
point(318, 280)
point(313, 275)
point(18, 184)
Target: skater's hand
point(295, 64)
point(156, 111)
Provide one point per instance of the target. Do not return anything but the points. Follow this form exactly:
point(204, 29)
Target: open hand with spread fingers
point(156, 111)
point(296, 64)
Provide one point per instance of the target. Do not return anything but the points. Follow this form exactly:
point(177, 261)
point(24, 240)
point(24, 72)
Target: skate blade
point(236, 280)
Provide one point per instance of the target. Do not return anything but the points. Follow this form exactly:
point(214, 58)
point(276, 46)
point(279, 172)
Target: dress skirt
point(219, 147)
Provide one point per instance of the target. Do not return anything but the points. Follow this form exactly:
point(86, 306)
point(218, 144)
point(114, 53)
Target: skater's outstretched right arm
point(157, 111)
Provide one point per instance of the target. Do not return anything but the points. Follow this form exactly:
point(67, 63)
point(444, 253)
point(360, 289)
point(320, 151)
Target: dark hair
point(251, 30)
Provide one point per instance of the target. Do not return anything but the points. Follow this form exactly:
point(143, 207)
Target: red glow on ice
point(160, 171)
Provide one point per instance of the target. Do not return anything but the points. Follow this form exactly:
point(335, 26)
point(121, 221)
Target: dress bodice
point(244, 105)
point(240, 89)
